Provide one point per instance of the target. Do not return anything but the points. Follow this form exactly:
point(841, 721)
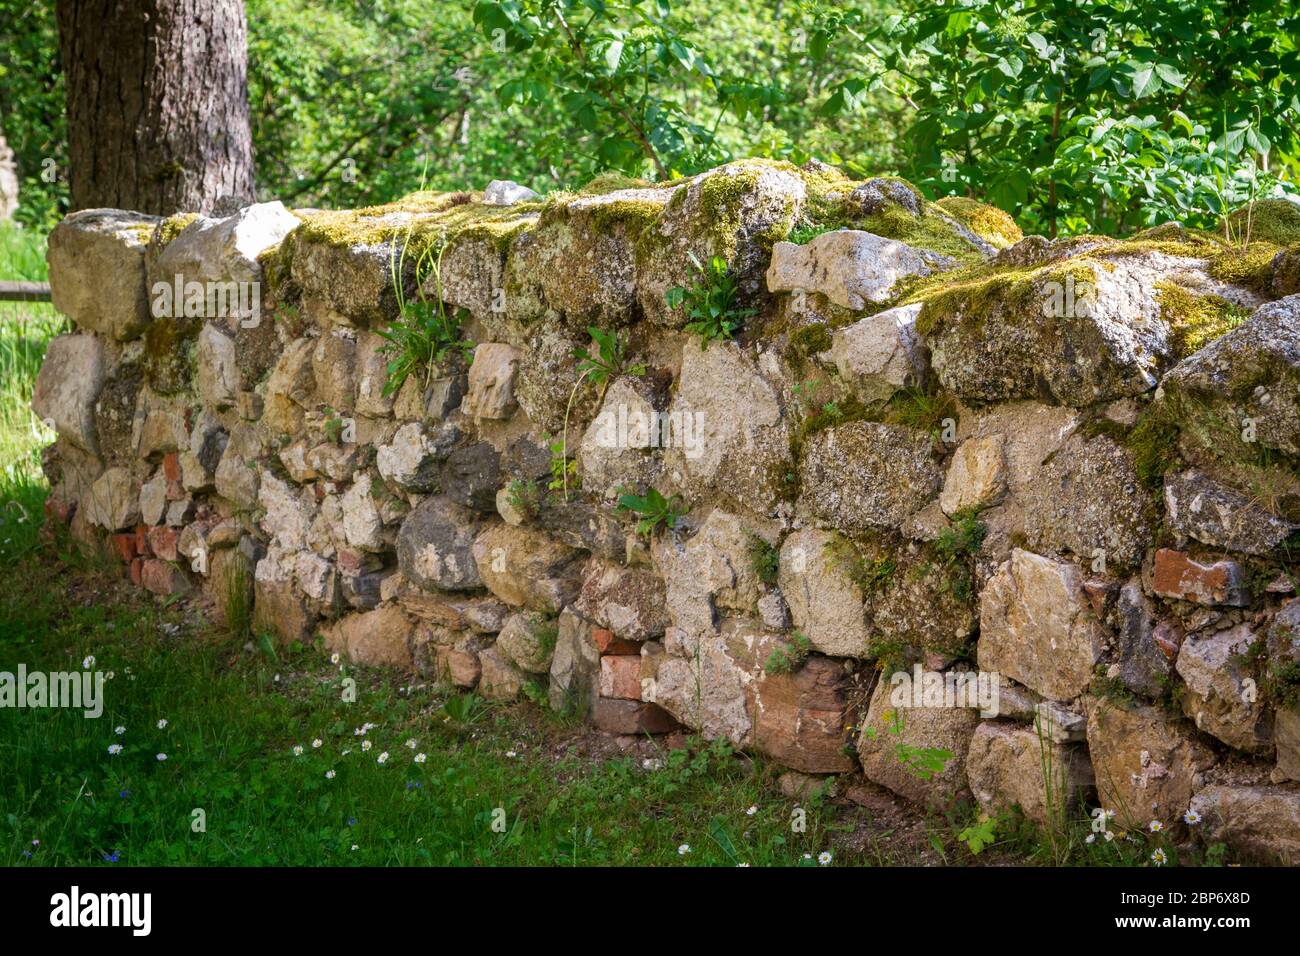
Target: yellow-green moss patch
point(1196, 320)
point(988, 222)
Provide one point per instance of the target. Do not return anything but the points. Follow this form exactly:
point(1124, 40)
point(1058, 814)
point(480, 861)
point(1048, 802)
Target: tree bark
point(157, 100)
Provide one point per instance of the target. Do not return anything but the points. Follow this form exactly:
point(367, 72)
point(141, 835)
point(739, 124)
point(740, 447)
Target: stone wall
point(937, 448)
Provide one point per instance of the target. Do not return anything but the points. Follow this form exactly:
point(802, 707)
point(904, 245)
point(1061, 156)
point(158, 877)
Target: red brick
point(175, 491)
point(137, 571)
point(162, 578)
point(1178, 576)
point(56, 509)
point(172, 466)
point(162, 542)
point(607, 643)
point(620, 677)
point(124, 546)
point(142, 539)
point(631, 717)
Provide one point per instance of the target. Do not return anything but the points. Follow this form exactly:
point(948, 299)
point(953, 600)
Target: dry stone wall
point(950, 490)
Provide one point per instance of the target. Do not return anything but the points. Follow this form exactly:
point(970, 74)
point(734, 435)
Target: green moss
point(988, 222)
point(424, 219)
point(1286, 271)
point(1269, 220)
point(927, 231)
point(171, 227)
point(1195, 320)
point(167, 353)
point(1153, 442)
point(810, 340)
point(612, 181)
point(1250, 266)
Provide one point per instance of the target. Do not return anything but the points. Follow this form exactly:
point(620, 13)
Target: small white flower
point(383, 757)
point(751, 811)
point(346, 752)
point(334, 658)
point(297, 750)
point(114, 749)
point(119, 730)
point(652, 763)
point(511, 753)
point(329, 774)
point(88, 662)
point(683, 849)
point(1109, 836)
point(1191, 818)
point(1155, 826)
point(315, 744)
point(109, 676)
point(366, 745)
point(1090, 838)
point(420, 758)
point(162, 723)
point(354, 846)
point(410, 744)
point(807, 856)
point(1159, 858)
point(162, 757)
point(824, 858)
point(742, 864)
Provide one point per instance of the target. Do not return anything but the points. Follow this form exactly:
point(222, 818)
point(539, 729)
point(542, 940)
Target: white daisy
point(383, 757)
point(329, 774)
point(297, 750)
point(824, 858)
point(1155, 826)
point(162, 723)
point(315, 744)
point(751, 811)
point(1191, 818)
point(420, 758)
point(410, 744)
point(366, 745)
point(1159, 858)
point(162, 757)
point(114, 749)
point(683, 849)
point(119, 730)
point(88, 662)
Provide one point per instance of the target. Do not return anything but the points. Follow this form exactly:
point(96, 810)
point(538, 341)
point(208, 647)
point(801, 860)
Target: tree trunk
point(157, 96)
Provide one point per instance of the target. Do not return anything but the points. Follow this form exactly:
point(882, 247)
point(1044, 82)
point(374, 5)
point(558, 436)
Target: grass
point(25, 328)
point(234, 717)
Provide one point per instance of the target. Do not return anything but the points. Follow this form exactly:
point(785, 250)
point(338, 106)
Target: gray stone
point(853, 269)
point(97, 270)
point(67, 387)
point(865, 475)
point(1216, 515)
point(435, 546)
point(1218, 696)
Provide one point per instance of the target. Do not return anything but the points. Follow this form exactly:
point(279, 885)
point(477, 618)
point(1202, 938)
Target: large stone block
point(68, 386)
point(1037, 626)
point(97, 270)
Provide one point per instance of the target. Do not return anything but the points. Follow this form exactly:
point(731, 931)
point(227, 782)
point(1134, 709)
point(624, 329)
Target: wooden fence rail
point(24, 292)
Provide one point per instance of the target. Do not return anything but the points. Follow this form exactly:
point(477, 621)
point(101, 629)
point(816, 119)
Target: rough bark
point(157, 99)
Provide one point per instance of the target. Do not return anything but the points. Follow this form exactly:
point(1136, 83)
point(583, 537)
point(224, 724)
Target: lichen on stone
point(988, 222)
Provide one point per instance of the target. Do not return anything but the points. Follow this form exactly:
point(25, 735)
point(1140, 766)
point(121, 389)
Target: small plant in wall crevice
point(652, 510)
point(710, 303)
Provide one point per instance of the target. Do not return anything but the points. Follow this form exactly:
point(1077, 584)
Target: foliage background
point(1073, 116)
